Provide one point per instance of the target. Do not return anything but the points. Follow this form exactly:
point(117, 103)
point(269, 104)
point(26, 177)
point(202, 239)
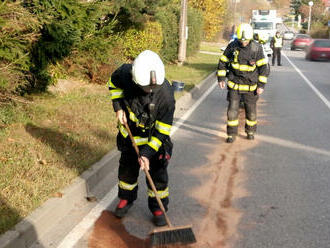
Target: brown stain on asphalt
point(222, 182)
point(109, 232)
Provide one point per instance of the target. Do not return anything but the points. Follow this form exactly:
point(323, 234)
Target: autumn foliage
point(214, 12)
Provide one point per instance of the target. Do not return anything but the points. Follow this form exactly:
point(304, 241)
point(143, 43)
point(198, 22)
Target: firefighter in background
point(247, 76)
point(276, 44)
point(144, 99)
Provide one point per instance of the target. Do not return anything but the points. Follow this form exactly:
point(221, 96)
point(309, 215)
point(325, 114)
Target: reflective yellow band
point(251, 123)
point(233, 123)
point(263, 79)
point(110, 84)
point(241, 87)
point(222, 73)
point(155, 143)
point(126, 186)
point(236, 53)
point(224, 58)
point(261, 62)
point(240, 67)
point(140, 141)
point(163, 127)
point(123, 130)
point(132, 116)
point(117, 93)
point(161, 193)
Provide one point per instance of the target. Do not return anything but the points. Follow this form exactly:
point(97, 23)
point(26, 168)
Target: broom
point(169, 235)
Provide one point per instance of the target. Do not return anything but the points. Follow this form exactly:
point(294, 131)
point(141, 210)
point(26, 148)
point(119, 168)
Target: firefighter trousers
point(250, 104)
point(128, 174)
point(276, 53)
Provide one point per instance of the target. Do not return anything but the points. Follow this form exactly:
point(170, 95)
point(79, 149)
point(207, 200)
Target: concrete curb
point(45, 217)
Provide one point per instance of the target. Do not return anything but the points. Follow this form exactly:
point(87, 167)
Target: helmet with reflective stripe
point(263, 37)
point(148, 69)
point(244, 32)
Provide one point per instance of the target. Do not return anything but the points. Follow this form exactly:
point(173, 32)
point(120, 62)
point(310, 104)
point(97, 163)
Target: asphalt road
point(288, 172)
point(270, 192)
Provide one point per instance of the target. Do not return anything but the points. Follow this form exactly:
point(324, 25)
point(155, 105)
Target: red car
point(301, 41)
point(318, 50)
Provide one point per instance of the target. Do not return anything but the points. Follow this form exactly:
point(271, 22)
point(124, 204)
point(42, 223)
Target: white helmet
point(244, 32)
point(146, 64)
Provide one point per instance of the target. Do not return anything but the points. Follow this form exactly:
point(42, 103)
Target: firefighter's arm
point(117, 96)
point(263, 70)
point(272, 41)
point(116, 90)
point(161, 131)
point(222, 68)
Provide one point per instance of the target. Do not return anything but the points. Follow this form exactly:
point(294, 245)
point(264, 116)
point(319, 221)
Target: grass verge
point(52, 138)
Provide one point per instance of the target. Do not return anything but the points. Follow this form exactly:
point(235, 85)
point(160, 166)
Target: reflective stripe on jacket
point(245, 66)
point(149, 128)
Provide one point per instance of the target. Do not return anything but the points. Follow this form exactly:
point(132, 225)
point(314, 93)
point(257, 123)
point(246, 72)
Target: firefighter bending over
point(244, 65)
point(144, 99)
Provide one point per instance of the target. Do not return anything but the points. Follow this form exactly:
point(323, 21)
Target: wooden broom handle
point(153, 187)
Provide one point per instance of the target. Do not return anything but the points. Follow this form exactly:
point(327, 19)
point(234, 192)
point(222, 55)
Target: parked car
point(318, 50)
point(301, 41)
point(288, 35)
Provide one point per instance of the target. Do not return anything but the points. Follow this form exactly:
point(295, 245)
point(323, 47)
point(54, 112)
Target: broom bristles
point(177, 235)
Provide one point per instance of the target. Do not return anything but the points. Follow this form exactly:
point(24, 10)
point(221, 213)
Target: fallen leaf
point(91, 198)
point(44, 162)
point(58, 194)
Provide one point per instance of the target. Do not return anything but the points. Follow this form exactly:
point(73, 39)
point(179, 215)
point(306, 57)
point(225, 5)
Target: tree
point(295, 6)
point(133, 13)
point(317, 10)
point(214, 12)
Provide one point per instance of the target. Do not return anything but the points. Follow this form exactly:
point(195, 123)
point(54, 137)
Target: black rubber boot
point(159, 218)
point(230, 139)
point(122, 208)
point(250, 136)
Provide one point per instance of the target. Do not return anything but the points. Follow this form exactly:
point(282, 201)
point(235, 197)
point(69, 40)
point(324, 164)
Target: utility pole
point(310, 3)
point(183, 32)
point(234, 14)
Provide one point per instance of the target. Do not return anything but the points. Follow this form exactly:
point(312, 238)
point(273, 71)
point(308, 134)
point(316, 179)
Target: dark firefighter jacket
point(245, 67)
point(149, 116)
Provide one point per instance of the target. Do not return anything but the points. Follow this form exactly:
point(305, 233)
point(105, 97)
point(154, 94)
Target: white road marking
point(292, 145)
point(193, 107)
point(309, 83)
point(81, 228)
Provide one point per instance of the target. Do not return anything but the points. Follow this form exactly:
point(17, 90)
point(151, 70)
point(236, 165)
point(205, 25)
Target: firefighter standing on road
point(143, 99)
point(276, 44)
point(247, 75)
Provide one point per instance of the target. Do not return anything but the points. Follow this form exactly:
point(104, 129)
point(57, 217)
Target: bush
point(18, 30)
point(169, 18)
point(319, 30)
point(195, 31)
point(135, 41)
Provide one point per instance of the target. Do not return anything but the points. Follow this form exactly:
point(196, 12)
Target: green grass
point(52, 139)
point(194, 70)
point(211, 47)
